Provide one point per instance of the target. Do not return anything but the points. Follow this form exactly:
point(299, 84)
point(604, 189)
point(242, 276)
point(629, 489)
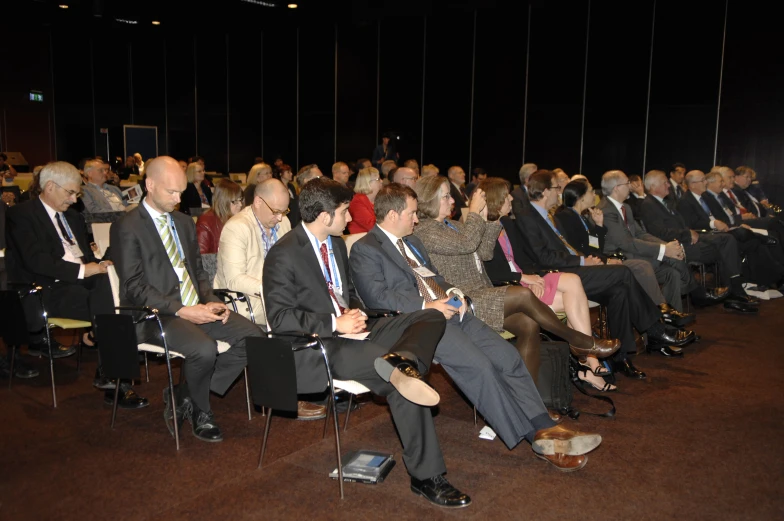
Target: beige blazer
point(241, 258)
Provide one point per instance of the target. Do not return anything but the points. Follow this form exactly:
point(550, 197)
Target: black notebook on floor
point(365, 466)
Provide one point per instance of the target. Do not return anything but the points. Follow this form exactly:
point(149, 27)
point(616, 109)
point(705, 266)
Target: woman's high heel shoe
point(602, 370)
point(606, 388)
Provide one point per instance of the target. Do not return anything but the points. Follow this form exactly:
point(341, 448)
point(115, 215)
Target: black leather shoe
point(744, 299)
point(667, 351)
point(710, 297)
point(101, 382)
point(440, 492)
point(670, 336)
point(674, 317)
point(183, 410)
point(21, 370)
point(128, 398)
point(733, 306)
point(204, 426)
point(626, 367)
point(58, 350)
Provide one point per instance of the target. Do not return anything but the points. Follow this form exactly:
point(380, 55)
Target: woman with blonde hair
point(197, 194)
point(366, 187)
point(226, 203)
point(458, 251)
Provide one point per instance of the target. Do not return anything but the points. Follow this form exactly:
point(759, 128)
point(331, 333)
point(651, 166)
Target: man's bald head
point(270, 188)
point(161, 166)
point(270, 202)
point(165, 183)
point(405, 176)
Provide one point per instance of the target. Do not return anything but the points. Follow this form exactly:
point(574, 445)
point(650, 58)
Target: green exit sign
point(36, 95)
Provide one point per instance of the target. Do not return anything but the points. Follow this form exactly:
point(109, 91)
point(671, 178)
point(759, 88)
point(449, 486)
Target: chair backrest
point(13, 326)
point(117, 345)
point(210, 263)
point(114, 282)
point(101, 236)
point(351, 239)
point(272, 373)
point(196, 212)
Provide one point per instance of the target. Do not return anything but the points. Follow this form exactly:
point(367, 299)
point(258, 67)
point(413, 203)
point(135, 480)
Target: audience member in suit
point(98, 195)
point(588, 234)
point(392, 269)
point(763, 254)
point(520, 200)
point(754, 187)
point(667, 224)
point(158, 263)
point(458, 249)
point(677, 185)
point(341, 173)
point(259, 173)
point(130, 168)
point(308, 287)
point(226, 203)
point(636, 195)
point(457, 190)
point(625, 235)
point(477, 176)
point(612, 285)
point(287, 178)
point(197, 194)
point(404, 175)
point(47, 245)
point(737, 191)
point(363, 217)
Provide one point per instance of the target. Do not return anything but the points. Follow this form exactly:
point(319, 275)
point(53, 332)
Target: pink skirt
point(550, 287)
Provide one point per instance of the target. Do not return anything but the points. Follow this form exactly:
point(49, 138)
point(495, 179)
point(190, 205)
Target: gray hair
point(654, 178)
point(525, 172)
point(306, 174)
point(694, 174)
point(59, 172)
point(711, 176)
point(610, 180)
point(93, 163)
point(259, 170)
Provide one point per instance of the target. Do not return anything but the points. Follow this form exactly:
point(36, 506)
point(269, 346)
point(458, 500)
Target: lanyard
point(269, 242)
point(67, 227)
point(446, 221)
point(415, 252)
point(327, 273)
point(585, 225)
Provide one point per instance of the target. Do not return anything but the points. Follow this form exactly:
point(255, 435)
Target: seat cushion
point(350, 386)
point(68, 323)
point(152, 348)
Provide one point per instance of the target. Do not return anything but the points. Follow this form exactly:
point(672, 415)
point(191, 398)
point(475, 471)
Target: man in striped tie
point(158, 263)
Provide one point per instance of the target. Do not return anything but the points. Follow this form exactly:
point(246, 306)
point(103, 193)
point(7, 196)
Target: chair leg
point(266, 433)
point(51, 365)
point(474, 415)
point(172, 402)
point(11, 369)
point(247, 393)
point(348, 411)
point(326, 419)
point(146, 367)
point(78, 353)
point(337, 439)
point(114, 405)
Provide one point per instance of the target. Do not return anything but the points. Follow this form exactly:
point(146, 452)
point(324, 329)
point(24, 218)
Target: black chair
point(13, 327)
point(273, 379)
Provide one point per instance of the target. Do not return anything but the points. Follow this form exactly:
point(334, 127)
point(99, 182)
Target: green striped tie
point(187, 291)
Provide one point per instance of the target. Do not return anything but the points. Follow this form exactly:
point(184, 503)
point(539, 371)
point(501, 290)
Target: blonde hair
point(190, 172)
point(362, 184)
point(257, 170)
point(427, 190)
point(429, 170)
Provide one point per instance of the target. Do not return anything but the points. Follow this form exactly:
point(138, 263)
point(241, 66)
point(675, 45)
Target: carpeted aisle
point(699, 439)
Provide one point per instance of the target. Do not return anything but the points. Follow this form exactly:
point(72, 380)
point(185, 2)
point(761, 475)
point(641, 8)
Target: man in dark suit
point(48, 245)
point(392, 269)
point(158, 263)
point(457, 190)
point(664, 222)
point(612, 285)
point(677, 173)
point(520, 200)
point(307, 286)
point(737, 191)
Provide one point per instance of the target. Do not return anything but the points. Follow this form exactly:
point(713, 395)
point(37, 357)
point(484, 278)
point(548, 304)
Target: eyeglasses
point(70, 192)
point(275, 212)
point(236, 201)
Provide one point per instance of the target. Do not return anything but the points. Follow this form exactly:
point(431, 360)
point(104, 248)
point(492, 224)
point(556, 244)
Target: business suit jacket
point(460, 201)
point(716, 203)
point(744, 198)
point(95, 201)
point(541, 244)
point(241, 258)
point(634, 242)
point(520, 201)
point(453, 253)
point(663, 222)
point(693, 214)
point(190, 197)
point(147, 277)
point(569, 223)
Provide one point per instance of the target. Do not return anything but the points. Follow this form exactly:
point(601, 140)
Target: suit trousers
point(415, 336)
point(716, 247)
point(649, 277)
point(627, 303)
point(490, 372)
point(204, 369)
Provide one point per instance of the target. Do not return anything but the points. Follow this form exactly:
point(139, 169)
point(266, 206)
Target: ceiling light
point(156, 22)
point(292, 6)
point(63, 6)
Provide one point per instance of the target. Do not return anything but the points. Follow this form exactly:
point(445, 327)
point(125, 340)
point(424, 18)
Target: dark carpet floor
point(701, 438)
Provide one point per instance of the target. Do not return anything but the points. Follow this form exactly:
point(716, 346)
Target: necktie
point(678, 191)
point(625, 219)
point(187, 291)
point(463, 194)
point(422, 282)
point(704, 205)
point(66, 235)
point(506, 246)
point(736, 203)
point(563, 240)
point(325, 258)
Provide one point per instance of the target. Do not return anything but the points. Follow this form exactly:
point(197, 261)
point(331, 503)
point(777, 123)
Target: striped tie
point(187, 291)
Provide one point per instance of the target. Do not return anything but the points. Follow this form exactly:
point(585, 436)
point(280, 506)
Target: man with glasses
point(100, 196)
point(405, 176)
point(48, 245)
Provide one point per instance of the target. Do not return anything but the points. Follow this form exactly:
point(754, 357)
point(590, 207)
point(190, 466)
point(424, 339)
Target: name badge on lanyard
point(424, 272)
point(593, 241)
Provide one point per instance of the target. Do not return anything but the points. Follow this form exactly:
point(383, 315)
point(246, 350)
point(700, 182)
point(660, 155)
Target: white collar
point(49, 210)
point(660, 199)
point(153, 213)
point(615, 203)
point(391, 236)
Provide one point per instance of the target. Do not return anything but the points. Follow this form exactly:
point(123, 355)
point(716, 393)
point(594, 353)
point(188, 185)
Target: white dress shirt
point(68, 256)
point(337, 285)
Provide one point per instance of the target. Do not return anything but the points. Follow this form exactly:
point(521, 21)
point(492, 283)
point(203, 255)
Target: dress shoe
point(674, 317)
point(128, 398)
point(565, 463)
point(182, 410)
point(710, 297)
point(744, 299)
point(669, 335)
point(560, 440)
point(307, 411)
point(58, 350)
point(204, 426)
point(668, 351)
point(21, 370)
point(404, 376)
point(626, 368)
point(101, 382)
point(440, 492)
point(733, 306)
point(602, 348)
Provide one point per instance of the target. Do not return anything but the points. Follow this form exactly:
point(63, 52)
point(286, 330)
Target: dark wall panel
point(685, 83)
point(73, 97)
point(245, 88)
point(280, 95)
point(499, 93)
point(402, 41)
point(111, 81)
point(149, 93)
point(211, 74)
point(317, 95)
point(617, 89)
point(357, 75)
point(555, 86)
point(180, 78)
point(448, 90)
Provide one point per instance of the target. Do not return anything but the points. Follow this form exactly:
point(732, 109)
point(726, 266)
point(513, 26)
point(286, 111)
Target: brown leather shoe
point(555, 416)
point(560, 440)
point(565, 463)
point(307, 411)
point(601, 348)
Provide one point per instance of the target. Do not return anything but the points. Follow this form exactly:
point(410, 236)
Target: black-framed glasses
point(274, 212)
point(69, 192)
